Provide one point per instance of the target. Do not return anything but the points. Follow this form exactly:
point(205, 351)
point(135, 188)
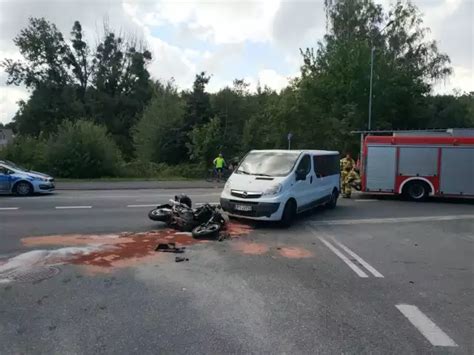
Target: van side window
point(326, 165)
point(305, 165)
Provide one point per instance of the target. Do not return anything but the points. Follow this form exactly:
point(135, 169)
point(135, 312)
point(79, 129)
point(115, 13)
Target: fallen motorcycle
point(204, 221)
point(212, 227)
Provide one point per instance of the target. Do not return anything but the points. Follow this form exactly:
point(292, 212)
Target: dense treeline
point(92, 109)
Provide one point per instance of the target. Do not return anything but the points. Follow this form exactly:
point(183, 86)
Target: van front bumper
point(256, 209)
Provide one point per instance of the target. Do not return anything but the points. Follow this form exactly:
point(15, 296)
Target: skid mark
point(294, 252)
point(250, 248)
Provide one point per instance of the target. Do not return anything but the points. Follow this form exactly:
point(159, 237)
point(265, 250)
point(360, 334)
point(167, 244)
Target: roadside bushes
point(140, 169)
point(82, 149)
point(26, 151)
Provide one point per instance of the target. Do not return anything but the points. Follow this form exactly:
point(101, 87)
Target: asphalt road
point(372, 276)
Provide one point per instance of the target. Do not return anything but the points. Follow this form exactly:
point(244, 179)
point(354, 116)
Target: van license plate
point(244, 208)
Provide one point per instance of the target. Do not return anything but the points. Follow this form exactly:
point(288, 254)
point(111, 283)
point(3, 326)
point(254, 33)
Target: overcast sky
point(256, 40)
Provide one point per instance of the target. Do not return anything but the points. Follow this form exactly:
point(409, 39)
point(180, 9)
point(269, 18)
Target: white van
point(275, 185)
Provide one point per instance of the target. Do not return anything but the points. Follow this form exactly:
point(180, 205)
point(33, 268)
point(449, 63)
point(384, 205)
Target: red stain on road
point(122, 249)
point(114, 250)
point(295, 252)
point(236, 229)
point(250, 248)
point(76, 239)
point(134, 249)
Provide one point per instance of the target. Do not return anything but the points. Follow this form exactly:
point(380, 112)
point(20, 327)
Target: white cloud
point(462, 81)
point(225, 21)
point(269, 78)
point(214, 36)
point(9, 96)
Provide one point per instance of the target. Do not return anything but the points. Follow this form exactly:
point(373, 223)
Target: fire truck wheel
point(416, 191)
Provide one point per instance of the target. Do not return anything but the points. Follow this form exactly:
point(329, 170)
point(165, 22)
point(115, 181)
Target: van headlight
point(274, 190)
point(227, 187)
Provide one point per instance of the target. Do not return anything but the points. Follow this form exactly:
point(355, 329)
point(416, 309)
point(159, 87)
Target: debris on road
point(179, 259)
point(169, 248)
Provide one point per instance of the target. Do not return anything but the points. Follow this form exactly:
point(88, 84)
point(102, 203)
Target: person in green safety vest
point(219, 164)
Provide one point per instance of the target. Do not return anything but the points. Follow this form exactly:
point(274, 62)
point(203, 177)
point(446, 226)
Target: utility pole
point(372, 55)
point(370, 89)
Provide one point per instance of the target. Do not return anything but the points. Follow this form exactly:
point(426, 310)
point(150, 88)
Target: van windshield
point(268, 163)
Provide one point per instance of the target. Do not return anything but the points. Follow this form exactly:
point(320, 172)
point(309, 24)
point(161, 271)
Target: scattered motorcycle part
point(169, 248)
point(206, 230)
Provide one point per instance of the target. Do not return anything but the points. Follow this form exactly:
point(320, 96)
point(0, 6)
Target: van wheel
point(416, 191)
point(289, 214)
point(23, 188)
point(333, 201)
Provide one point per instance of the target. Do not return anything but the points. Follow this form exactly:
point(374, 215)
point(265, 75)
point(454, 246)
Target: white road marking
point(8, 208)
point(425, 325)
point(361, 261)
point(343, 222)
point(365, 200)
point(71, 207)
point(138, 206)
point(349, 263)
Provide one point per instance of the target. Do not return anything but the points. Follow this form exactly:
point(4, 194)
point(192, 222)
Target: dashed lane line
point(139, 206)
point(9, 208)
point(426, 326)
point(71, 207)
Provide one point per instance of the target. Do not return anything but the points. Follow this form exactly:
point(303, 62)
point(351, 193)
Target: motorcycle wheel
point(160, 214)
point(206, 230)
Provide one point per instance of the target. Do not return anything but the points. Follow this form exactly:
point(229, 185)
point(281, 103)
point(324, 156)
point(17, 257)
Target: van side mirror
point(300, 175)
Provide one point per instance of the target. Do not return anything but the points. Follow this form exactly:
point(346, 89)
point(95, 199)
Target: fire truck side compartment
point(457, 171)
point(418, 161)
point(381, 166)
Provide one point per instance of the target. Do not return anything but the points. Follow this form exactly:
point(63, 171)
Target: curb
point(133, 185)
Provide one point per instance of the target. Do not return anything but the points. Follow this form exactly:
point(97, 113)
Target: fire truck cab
point(418, 166)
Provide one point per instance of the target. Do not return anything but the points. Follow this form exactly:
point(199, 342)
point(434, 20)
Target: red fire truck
point(418, 166)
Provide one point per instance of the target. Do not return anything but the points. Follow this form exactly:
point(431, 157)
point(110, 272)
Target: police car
point(17, 180)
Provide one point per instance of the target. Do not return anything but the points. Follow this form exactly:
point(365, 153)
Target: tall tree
point(121, 86)
point(198, 106)
point(44, 50)
point(158, 135)
point(78, 59)
point(335, 78)
point(68, 81)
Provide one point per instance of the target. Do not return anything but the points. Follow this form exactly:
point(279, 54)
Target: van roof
point(299, 151)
